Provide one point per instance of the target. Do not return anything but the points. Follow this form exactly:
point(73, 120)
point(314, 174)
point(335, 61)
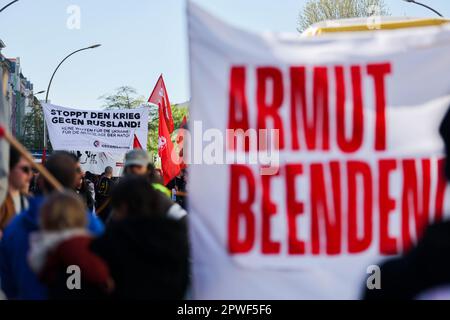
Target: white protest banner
point(96, 162)
point(96, 130)
point(359, 153)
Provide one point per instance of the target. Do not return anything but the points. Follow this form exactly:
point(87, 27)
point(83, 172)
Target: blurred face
point(137, 170)
point(79, 176)
point(20, 176)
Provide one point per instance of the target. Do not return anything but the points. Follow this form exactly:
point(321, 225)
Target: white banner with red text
point(359, 157)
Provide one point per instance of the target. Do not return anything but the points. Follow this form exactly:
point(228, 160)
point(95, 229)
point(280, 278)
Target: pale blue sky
point(140, 38)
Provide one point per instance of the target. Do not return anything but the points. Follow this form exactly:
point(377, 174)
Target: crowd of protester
point(128, 236)
point(125, 235)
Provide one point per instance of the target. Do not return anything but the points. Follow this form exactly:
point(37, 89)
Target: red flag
point(136, 143)
point(44, 156)
point(170, 168)
point(180, 142)
point(160, 97)
point(183, 124)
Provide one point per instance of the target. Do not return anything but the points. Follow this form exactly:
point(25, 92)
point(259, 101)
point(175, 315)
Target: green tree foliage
point(125, 97)
point(320, 10)
point(178, 113)
point(33, 128)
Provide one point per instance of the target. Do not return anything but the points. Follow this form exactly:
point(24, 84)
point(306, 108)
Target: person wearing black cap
point(137, 163)
point(146, 250)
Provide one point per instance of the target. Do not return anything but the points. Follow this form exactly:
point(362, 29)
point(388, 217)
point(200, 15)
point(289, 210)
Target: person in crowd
point(34, 188)
point(90, 183)
point(178, 187)
point(18, 281)
point(64, 241)
point(95, 179)
point(158, 175)
point(102, 194)
point(137, 163)
point(156, 179)
point(146, 250)
point(20, 174)
point(82, 188)
point(423, 272)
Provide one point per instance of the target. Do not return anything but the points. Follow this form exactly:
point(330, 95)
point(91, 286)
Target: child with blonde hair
point(62, 244)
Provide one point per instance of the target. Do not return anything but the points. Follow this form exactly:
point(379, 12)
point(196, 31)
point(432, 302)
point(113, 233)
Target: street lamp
point(424, 5)
point(59, 65)
point(9, 4)
point(50, 83)
point(33, 95)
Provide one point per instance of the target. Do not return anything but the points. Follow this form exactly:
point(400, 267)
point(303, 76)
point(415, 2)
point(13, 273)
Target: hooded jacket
point(50, 255)
point(147, 257)
point(17, 279)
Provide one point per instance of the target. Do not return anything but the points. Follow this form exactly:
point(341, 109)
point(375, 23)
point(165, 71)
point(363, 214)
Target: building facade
point(19, 93)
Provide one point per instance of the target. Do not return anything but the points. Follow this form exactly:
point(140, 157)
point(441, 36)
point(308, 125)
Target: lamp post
point(33, 96)
point(9, 4)
point(50, 83)
point(425, 6)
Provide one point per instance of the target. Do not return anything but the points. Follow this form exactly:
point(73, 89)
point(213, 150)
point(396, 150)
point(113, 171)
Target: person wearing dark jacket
point(82, 187)
point(146, 250)
point(137, 163)
point(18, 281)
point(423, 272)
point(86, 195)
point(102, 194)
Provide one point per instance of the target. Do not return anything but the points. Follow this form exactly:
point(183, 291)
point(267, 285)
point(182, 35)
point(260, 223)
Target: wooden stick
point(104, 206)
point(24, 153)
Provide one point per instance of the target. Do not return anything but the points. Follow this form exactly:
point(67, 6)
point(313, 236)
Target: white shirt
point(20, 200)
